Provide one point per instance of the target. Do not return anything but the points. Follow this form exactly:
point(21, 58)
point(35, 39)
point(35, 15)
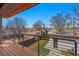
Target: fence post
point(75, 48)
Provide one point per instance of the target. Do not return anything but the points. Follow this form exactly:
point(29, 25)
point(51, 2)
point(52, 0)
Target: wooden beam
point(0, 29)
point(19, 8)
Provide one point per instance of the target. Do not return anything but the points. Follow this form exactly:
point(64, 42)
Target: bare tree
point(74, 20)
point(38, 25)
point(10, 29)
point(72, 25)
point(18, 25)
point(76, 10)
point(59, 22)
point(76, 16)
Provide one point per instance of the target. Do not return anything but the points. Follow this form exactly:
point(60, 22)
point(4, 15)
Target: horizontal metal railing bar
point(56, 35)
point(51, 36)
point(62, 41)
point(73, 37)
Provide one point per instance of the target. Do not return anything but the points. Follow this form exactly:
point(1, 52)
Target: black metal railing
point(68, 39)
point(56, 40)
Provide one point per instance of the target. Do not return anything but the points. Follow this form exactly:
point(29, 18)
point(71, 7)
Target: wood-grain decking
point(8, 48)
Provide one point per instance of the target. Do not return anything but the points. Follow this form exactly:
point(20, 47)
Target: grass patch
point(17, 40)
point(43, 51)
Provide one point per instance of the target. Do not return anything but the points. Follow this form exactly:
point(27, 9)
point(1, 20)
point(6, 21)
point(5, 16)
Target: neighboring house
point(6, 32)
point(70, 31)
point(32, 31)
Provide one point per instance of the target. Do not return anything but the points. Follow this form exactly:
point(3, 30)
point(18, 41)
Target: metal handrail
point(68, 38)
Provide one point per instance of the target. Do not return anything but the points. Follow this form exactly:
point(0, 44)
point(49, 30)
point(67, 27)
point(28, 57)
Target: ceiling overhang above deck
point(9, 9)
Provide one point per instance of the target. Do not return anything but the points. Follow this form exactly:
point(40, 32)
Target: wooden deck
point(8, 48)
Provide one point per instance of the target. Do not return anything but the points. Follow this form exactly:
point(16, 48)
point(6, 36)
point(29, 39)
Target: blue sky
point(43, 12)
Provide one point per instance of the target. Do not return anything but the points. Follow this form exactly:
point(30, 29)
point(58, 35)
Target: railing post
point(23, 39)
point(55, 43)
point(14, 38)
point(75, 48)
point(39, 46)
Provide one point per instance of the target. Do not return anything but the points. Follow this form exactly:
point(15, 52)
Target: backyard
point(42, 50)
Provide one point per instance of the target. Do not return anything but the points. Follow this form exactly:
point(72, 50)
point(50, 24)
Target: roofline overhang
point(19, 8)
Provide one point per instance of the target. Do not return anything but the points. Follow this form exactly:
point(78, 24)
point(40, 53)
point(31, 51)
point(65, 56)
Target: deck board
point(8, 48)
